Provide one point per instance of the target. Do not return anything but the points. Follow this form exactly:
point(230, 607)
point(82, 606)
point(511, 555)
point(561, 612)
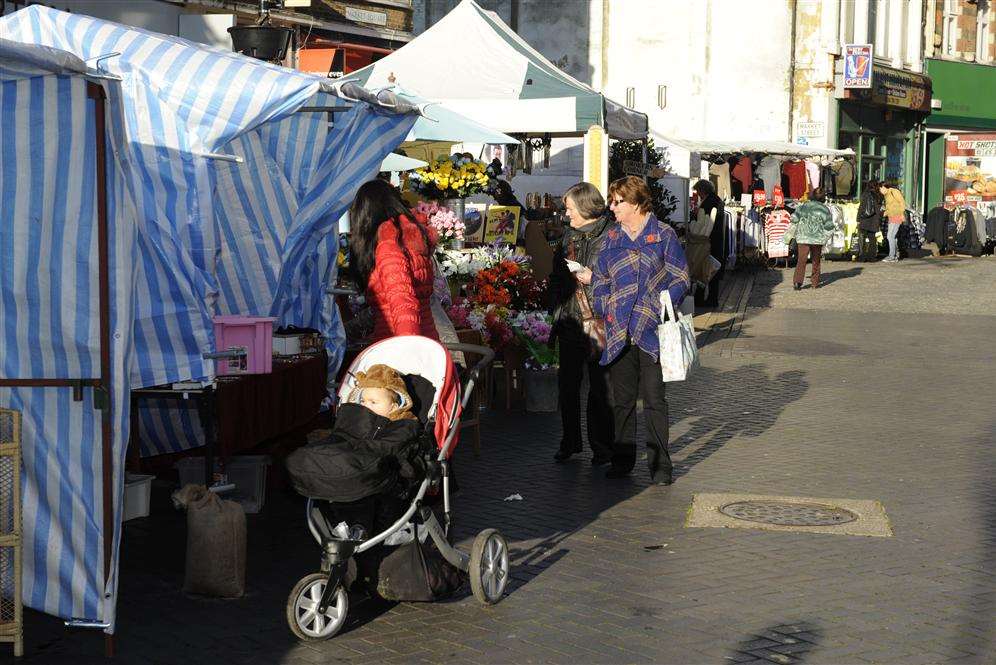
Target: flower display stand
point(542, 394)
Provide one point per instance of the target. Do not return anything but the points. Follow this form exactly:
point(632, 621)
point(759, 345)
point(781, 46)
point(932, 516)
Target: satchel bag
point(676, 336)
point(593, 326)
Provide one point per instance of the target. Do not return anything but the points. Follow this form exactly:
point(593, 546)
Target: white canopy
point(502, 82)
point(735, 147)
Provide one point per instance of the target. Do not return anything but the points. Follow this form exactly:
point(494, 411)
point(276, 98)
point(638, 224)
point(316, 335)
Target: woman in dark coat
point(869, 221)
point(714, 208)
point(581, 243)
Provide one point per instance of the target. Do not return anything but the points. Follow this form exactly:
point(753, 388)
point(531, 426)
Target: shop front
point(965, 108)
point(881, 125)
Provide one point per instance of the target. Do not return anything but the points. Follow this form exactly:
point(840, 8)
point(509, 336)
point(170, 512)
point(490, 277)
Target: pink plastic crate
point(252, 333)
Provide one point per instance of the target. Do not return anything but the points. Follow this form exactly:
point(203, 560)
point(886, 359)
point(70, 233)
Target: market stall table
point(239, 412)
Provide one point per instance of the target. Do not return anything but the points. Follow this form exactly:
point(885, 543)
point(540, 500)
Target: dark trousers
point(868, 248)
point(635, 374)
point(814, 251)
point(573, 361)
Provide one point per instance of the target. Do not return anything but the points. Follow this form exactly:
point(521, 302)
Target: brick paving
point(877, 387)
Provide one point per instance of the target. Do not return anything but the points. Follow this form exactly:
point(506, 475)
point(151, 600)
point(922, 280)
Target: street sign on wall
point(811, 129)
point(858, 65)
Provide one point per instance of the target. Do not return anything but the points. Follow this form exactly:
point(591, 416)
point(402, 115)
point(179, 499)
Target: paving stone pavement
point(878, 386)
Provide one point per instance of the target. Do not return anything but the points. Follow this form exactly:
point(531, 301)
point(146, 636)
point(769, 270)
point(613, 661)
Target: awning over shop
point(506, 83)
point(743, 147)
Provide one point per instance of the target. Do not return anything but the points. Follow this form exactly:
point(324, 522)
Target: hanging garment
point(770, 172)
point(813, 175)
point(849, 211)
point(730, 220)
point(753, 230)
point(775, 226)
point(936, 226)
point(743, 173)
point(843, 174)
point(720, 175)
point(980, 225)
point(827, 181)
point(794, 182)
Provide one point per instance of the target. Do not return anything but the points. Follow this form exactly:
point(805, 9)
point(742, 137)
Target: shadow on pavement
point(784, 643)
point(722, 414)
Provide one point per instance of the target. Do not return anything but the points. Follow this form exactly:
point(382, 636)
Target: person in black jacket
point(571, 295)
point(714, 207)
point(869, 221)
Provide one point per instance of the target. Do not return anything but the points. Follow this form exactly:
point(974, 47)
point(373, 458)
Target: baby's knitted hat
point(386, 378)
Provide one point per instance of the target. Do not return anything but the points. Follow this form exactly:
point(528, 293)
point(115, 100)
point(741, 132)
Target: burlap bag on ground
point(216, 543)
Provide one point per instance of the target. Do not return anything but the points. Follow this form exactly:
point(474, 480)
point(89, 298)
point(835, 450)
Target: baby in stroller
point(373, 443)
point(395, 429)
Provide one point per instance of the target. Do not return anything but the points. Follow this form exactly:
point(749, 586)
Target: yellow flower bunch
point(451, 177)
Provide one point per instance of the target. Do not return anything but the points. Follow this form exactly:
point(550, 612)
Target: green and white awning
point(472, 62)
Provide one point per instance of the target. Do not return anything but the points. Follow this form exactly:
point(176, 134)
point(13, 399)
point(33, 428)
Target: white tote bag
point(676, 334)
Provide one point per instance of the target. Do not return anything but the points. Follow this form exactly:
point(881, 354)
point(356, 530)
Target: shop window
point(982, 36)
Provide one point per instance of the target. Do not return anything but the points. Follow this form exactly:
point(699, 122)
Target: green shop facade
point(883, 124)
point(966, 94)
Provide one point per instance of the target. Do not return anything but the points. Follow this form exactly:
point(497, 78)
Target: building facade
point(960, 56)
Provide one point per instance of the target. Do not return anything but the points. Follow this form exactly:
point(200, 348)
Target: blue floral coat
point(627, 281)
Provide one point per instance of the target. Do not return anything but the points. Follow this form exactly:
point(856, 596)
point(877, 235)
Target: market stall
point(511, 87)
point(210, 196)
point(761, 182)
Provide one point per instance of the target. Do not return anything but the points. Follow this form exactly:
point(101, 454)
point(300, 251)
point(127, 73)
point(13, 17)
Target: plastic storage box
point(246, 472)
point(138, 489)
point(254, 334)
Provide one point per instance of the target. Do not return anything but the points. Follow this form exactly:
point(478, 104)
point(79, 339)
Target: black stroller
point(318, 604)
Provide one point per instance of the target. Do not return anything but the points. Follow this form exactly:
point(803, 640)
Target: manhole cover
point(788, 514)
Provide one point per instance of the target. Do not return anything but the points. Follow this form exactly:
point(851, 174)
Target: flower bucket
point(542, 394)
point(458, 206)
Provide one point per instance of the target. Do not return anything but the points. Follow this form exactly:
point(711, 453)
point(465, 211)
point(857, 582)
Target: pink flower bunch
point(446, 222)
point(459, 314)
point(534, 326)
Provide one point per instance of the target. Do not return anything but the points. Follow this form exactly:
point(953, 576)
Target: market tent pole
point(96, 93)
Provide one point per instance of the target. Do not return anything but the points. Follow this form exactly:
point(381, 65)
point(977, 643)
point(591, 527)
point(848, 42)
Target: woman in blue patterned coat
point(641, 256)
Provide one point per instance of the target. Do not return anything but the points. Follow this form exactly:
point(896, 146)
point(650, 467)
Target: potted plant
point(533, 329)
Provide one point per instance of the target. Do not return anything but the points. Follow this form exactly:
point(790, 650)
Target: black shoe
point(655, 457)
point(599, 460)
point(798, 287)
point(667, 477)
point(564, 455)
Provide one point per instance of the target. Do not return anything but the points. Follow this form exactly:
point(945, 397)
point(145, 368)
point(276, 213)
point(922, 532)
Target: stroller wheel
point(302, 609)
point(489, 566)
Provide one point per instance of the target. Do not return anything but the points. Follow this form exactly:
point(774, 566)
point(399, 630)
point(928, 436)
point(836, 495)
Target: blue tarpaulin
point(190, 236)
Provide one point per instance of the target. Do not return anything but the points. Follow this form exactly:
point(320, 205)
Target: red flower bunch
point(507, 285)
point(497, 332)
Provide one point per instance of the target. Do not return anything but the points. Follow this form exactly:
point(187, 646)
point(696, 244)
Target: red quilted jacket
point(399, 289)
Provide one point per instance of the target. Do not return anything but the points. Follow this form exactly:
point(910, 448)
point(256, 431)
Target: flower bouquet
point(452, 177)
point(447, 224)
point(508, 284)
point(533, 330)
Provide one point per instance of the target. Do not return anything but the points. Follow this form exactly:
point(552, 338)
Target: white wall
point(726, 65)
point(156, 16)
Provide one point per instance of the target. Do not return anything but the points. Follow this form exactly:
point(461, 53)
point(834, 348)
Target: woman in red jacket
point(392, 261)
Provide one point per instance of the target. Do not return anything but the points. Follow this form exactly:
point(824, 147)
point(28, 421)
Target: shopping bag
point(676, 334)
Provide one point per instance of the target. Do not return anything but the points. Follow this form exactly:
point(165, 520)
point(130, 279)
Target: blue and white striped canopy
point(191, 236)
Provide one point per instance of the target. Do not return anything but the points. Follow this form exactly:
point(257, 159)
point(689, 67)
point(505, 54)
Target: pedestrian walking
point(640, 257)
point(869, 221)
point(895, 214)
point(811, 226)
point(581, 335)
